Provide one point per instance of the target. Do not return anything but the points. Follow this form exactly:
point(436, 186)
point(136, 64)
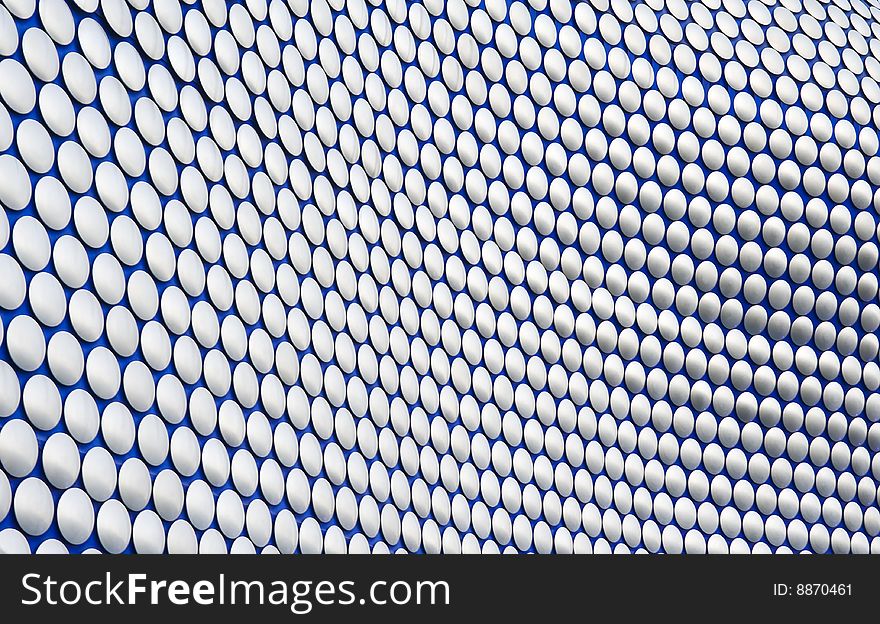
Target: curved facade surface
point(464, 276)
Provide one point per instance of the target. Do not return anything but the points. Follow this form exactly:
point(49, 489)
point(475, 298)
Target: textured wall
point(439, 277)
